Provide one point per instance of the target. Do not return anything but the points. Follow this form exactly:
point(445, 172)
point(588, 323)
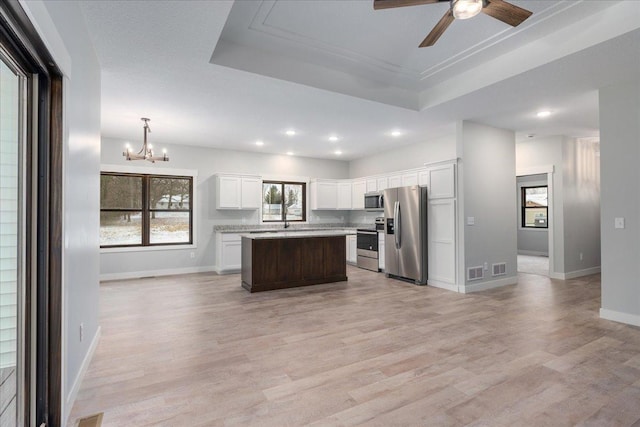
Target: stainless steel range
point(367, 242)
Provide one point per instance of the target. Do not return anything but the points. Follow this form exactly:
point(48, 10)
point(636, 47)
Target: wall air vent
point(499, 269)
point(474, 273)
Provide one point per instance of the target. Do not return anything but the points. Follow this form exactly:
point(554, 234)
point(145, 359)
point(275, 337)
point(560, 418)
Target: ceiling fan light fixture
point(465, 9)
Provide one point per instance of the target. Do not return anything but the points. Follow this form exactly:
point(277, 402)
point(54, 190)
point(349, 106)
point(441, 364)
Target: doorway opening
point(533, 224)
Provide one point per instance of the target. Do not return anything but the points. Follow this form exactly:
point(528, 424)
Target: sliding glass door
point(12, 242)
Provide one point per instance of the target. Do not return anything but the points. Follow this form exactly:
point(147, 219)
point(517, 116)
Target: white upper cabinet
point(442, 182)
point(344, 195)
point(238, 192)
point(357, 194)
point(382, 183)
point(409, 178)
point(324, 194)
point(395, 181)
point(372, 185)
point(251, 193)
point(423, 178)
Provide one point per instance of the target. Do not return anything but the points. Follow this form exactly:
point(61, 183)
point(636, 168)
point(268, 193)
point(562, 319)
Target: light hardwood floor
point(198, 350)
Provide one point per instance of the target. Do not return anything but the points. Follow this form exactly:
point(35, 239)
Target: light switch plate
point(619, 223)
point(471, 220)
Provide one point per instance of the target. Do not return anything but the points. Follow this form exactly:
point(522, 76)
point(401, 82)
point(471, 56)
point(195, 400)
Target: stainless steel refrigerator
point(405, 214)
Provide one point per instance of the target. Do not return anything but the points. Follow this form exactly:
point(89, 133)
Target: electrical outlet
point(581, 256)
point(192, 254)
point(486, 266)
point(81, 332)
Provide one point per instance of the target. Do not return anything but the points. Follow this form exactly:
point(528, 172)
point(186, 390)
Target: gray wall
point(576, 199)
point(71, 46)
point(487, 178)
point(531, 241)
point(208, 161)
point(405, 157)
point(620, 154)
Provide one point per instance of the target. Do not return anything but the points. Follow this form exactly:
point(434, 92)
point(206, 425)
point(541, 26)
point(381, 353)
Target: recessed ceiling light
point(543, 113)
point(259, 143)
point(333, 138)
point(396, 133)
point(290, 132)
point(337, 152)
point(289, 153)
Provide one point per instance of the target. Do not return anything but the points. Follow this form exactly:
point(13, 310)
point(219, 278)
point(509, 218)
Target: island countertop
point(296, 234)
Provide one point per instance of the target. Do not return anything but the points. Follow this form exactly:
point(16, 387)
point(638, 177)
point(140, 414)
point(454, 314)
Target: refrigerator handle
point(397, 224)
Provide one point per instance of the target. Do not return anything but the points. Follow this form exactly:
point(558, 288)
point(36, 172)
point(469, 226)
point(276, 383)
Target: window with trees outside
point(283, 201)
point(534, 207)
point(145, 210)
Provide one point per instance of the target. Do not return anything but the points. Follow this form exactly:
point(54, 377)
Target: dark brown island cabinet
point(284, 261)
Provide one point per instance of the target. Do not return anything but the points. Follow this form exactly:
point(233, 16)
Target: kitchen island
point(291, 259)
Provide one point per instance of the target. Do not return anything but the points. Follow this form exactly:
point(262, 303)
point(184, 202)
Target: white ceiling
point(225, 74)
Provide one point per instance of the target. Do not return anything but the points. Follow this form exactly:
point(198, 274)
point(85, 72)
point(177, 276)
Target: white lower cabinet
point(228, 253)
point(381, 251)
point(352, 249)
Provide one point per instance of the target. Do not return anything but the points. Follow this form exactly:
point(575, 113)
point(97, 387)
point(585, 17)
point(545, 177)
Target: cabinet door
point(229, 190)
point(251, 193)
point(357, 193)
point(381, 251)
point(442, 183)
point(352, 249)
point(395, 181)
point(326, 195)
point(382, 183)
point(441, 217)
point(344, 195)
point(423, 179)
point(409, 179)
point(231, 255)
point(372, 185)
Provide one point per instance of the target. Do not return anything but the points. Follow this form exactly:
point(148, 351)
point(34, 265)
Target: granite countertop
point(281, 234)
point(294, 228)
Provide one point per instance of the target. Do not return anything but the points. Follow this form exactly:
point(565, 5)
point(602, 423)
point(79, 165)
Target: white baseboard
point(438, 284)
point(534, 253)
point(483, 286)
point(618, 316)
point(73, 393)
point(575, 274)
point(154, 273)
point(226, 270)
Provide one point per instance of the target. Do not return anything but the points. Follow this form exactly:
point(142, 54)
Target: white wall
point(619, 158)
point(486, 182)
point(531, 241)
point(581, 199)
point(61, 25)
point(405, 157)
point(208, 161)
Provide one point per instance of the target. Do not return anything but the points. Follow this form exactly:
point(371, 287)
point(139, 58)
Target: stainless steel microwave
point(374, 201)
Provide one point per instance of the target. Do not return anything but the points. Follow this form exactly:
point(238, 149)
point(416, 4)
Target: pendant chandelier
point(146, 153)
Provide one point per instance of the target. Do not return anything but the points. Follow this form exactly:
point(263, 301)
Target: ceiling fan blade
point(437, 31)
point(388, 4)
point(506, 12)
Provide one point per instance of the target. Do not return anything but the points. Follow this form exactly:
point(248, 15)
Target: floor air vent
point(474, 273)
point(499, 269)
